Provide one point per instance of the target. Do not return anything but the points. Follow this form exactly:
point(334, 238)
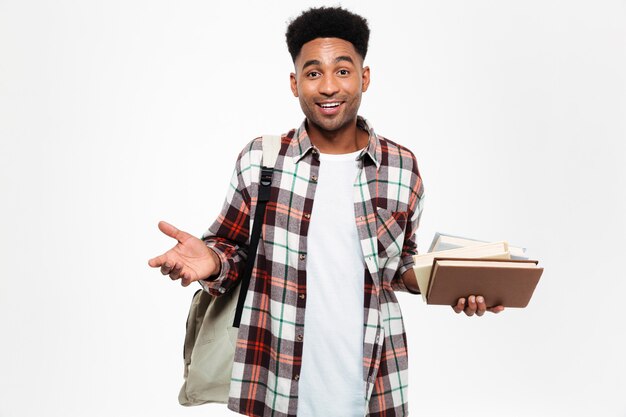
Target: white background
point(117, 114)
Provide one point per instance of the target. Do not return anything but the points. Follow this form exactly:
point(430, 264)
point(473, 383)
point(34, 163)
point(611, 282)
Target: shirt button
point(299, 338)
point(302, 296)
point(362, 218)
point(314, 178)
point(302, 256)
point(307, 215)
point(297, 377)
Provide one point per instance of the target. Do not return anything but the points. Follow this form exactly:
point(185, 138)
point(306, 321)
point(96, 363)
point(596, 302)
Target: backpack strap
point(271, 149)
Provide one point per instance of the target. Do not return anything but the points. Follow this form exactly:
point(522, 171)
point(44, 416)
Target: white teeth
point(329, 105)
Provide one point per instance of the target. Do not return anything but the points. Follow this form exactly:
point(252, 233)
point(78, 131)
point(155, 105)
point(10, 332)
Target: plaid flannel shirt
point(388, 195)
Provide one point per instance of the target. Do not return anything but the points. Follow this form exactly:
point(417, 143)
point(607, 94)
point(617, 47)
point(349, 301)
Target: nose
point(328, 86)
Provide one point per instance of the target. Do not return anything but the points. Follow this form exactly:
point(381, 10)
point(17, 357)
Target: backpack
point(213, 322)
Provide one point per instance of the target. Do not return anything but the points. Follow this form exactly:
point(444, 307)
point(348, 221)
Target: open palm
point(190, 260)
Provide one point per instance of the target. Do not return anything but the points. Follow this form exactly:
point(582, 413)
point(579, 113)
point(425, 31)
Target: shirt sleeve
point(409, 248)
point(228, 236)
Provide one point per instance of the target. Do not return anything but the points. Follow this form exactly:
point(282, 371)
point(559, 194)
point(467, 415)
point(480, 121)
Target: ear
point(294, 84)
point(365, 79)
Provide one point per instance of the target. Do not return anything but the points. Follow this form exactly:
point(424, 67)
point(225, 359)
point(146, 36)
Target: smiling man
point(322, 333)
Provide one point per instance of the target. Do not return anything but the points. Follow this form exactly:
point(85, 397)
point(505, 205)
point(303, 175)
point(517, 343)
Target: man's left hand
point(475, 305)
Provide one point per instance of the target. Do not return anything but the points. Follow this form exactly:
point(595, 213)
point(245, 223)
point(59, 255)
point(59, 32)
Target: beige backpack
point(211, 336)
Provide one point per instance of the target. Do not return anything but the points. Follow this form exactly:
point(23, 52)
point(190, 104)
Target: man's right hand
point(190, 260)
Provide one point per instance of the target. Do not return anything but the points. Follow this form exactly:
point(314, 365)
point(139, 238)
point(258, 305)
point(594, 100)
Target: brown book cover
point(510, 283)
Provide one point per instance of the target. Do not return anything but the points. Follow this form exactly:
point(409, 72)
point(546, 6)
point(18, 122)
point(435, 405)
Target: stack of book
point(456, 267)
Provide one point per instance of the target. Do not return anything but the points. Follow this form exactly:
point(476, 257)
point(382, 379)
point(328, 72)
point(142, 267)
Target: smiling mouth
point(329, 105)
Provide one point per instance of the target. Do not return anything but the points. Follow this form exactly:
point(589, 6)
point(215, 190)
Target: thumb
point(172, 231)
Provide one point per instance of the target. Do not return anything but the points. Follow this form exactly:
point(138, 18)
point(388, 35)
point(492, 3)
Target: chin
point(330, 125)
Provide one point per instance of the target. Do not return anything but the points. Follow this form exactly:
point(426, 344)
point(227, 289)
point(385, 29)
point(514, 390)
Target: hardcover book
point(510, 283)
point(424, 262)
point(442, 241)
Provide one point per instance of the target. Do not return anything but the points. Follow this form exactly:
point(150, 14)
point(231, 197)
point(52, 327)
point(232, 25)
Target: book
point(424, 262)
point(510, 283)
point(443, 241)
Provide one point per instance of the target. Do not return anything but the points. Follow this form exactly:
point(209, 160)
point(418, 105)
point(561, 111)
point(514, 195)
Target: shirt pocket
point(390, 228)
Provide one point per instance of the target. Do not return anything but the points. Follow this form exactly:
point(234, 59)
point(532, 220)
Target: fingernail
point(166, 265)
point(472, 299)
point(480, 299)
point(463, 301)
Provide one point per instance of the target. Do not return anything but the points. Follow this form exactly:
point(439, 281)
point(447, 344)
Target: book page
point(481, 263)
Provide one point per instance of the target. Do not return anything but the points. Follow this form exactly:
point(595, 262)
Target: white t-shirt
point(331, 379)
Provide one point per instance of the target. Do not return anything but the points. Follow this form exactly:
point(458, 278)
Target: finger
point(166, 268)
point(496, 309)
point(173, 232)
point(481, 306)
point(158, 261)
point(459, 306)
point(175, 272)
point(470, 309)
point(186, 280)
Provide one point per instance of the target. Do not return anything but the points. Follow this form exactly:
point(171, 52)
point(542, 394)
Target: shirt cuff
point(407, 263)
point(215, 283)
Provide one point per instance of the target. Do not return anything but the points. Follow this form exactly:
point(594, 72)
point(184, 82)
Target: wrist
point(217, 264)
point(410, 281)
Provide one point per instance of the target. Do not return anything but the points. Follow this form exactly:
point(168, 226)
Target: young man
point(321, 333)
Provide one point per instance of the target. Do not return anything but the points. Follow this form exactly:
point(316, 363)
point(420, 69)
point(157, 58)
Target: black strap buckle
point(266, 176)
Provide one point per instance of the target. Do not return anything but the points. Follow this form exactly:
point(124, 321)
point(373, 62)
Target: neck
point(347, 139)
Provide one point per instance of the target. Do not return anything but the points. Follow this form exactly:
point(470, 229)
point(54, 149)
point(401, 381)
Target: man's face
point(329, 81)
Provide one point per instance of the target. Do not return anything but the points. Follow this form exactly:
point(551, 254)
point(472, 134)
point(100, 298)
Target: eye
point(344, 72)
point(313, 74)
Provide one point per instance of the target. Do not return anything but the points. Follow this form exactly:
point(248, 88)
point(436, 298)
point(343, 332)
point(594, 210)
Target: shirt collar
point(301, 143)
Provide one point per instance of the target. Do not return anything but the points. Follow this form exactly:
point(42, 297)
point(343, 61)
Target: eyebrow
point(311, 62)
point(317, 62)
point(344, 58)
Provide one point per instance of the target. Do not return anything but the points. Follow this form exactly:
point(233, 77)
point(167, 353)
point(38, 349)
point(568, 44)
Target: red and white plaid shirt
point(388, 196)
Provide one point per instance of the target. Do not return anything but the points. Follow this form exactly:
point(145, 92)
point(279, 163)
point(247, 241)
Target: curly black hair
point(327, 22)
